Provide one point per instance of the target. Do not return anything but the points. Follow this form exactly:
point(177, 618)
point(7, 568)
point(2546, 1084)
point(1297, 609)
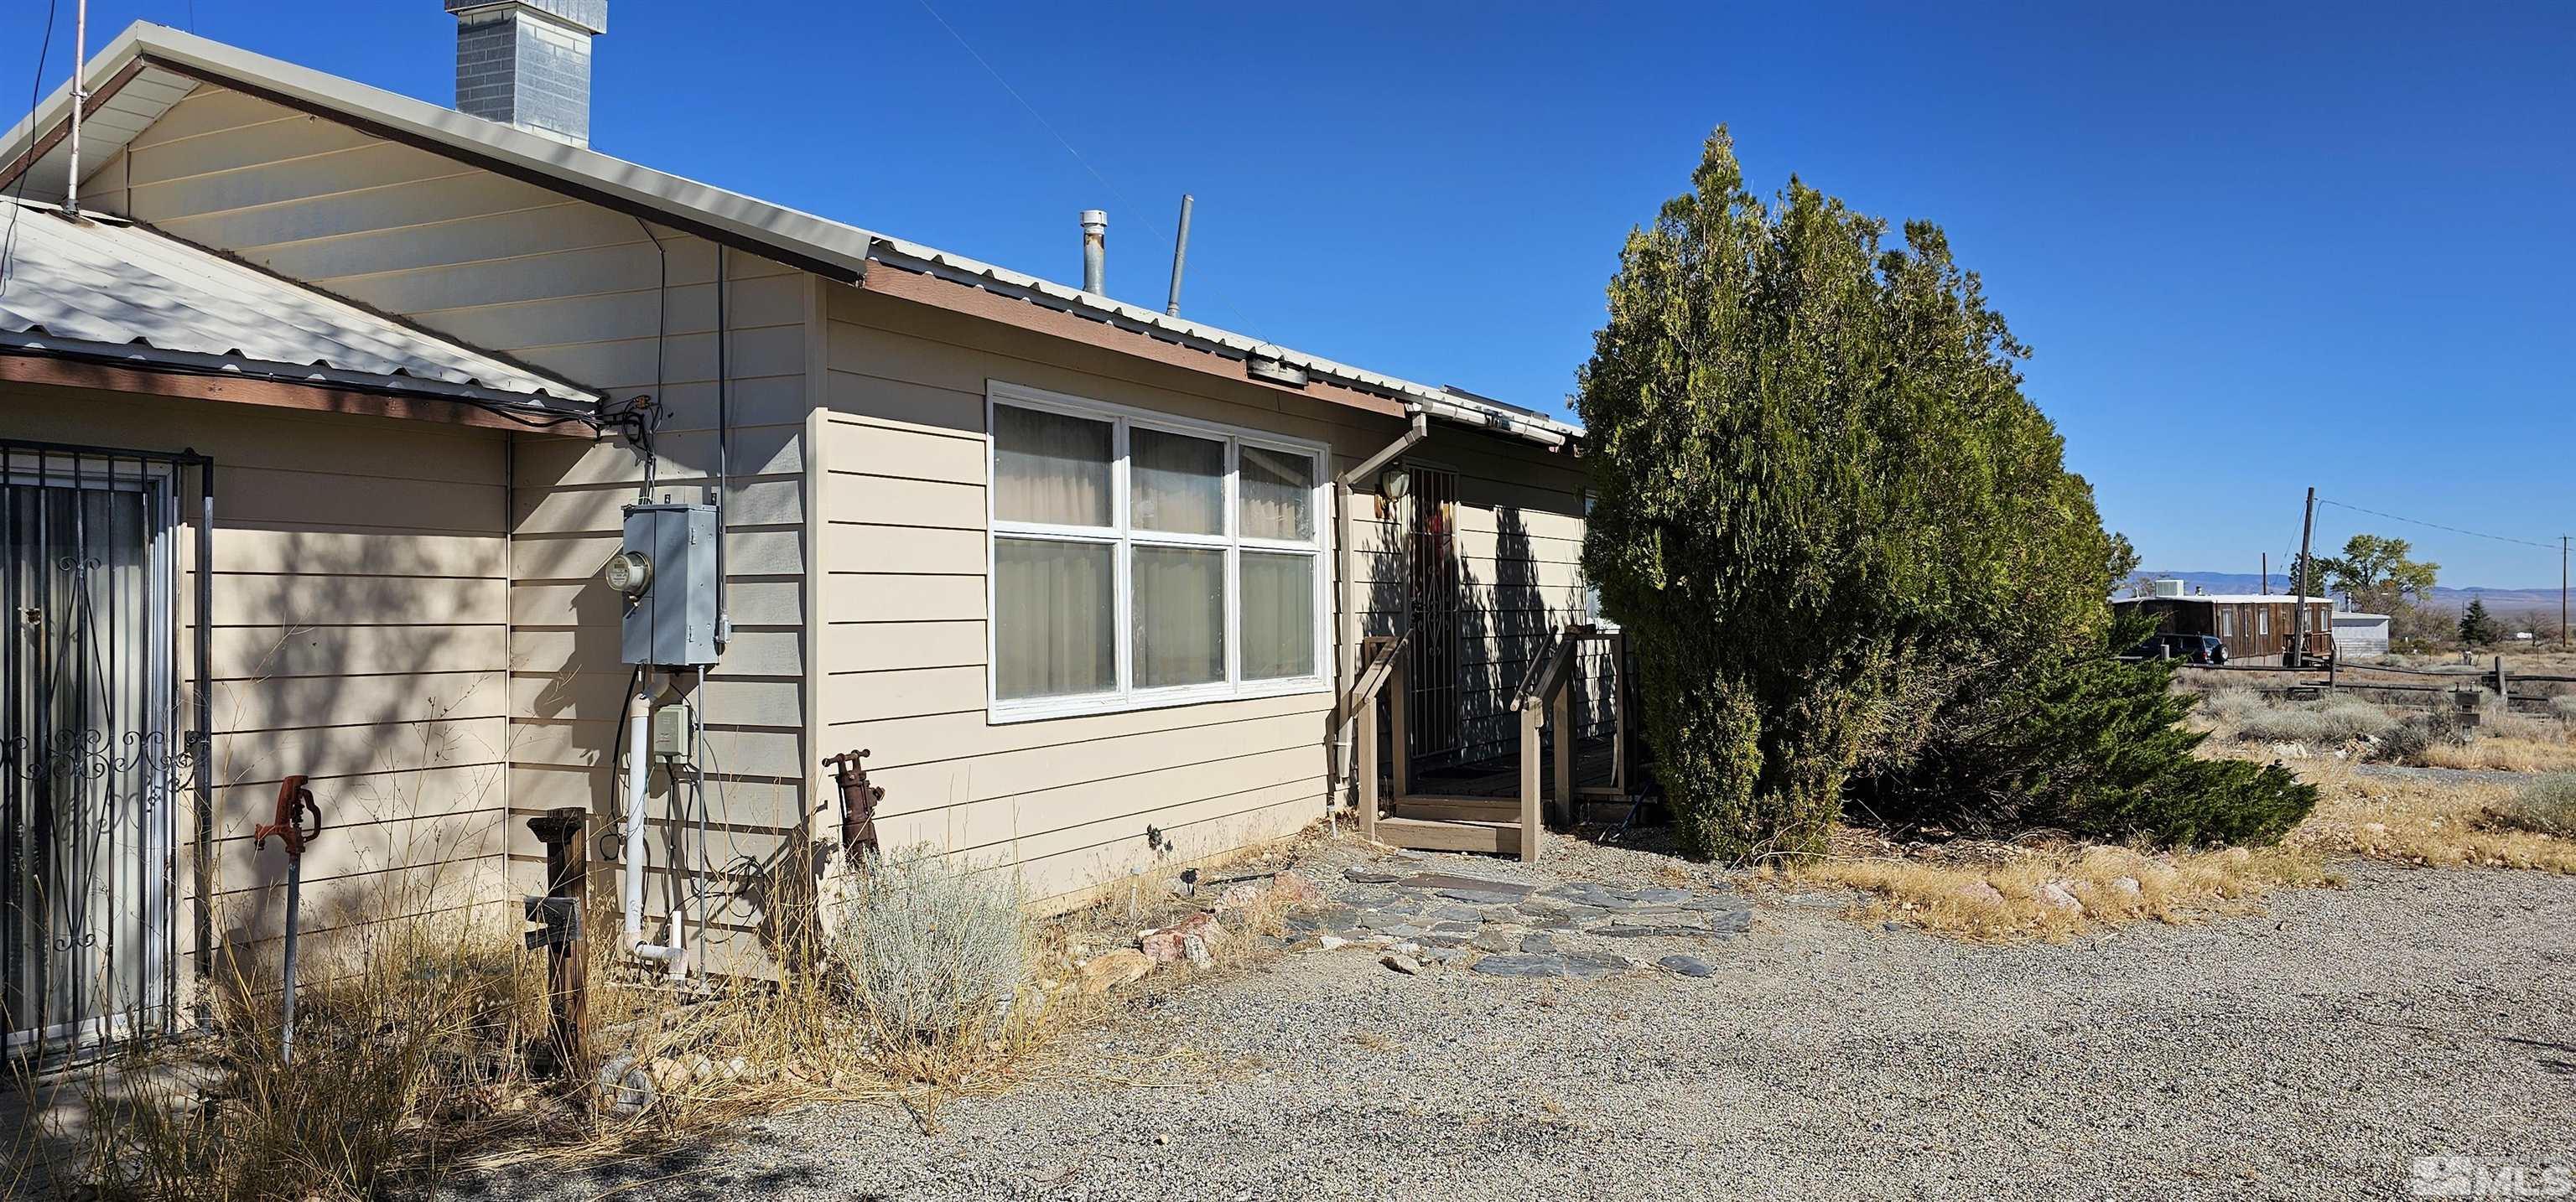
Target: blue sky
point(2253, 250)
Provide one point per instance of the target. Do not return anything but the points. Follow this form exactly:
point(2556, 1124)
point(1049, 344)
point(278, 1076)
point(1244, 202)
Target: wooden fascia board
point(274, 394)
point(926, 289)
point(37, 149)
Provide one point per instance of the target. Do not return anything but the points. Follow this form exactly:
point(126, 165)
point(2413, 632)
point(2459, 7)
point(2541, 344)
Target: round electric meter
point(629, 572)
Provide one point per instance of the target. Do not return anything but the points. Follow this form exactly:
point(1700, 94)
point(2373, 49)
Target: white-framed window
point(1137, 559)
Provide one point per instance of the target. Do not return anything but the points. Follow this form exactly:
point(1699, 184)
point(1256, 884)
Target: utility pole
point(2562, 592)
point(2305, 567)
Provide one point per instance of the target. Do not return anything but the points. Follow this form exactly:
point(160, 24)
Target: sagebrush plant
point(932, 947)
point(2545, 806)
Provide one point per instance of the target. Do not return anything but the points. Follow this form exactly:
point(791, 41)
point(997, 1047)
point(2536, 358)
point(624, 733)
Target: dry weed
point(2443, 824)
point(417, 1054)
point(2055, 892)
point(2502, 753)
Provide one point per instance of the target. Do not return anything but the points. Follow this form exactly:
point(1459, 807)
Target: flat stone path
point(1579, 929)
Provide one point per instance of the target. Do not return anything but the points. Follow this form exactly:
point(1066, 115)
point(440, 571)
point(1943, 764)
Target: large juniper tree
point(1824, 511)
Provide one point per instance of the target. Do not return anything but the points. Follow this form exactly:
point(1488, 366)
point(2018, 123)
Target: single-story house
point(2256, 627)
point(323, 409)
point(2360, 633)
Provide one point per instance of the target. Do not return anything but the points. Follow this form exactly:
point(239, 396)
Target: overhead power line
point(35, 98)
point(1121, 197)
point(1033, 112)
point(2523, 542)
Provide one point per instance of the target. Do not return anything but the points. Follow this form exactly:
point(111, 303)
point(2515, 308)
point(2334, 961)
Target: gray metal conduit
point(1347, 633)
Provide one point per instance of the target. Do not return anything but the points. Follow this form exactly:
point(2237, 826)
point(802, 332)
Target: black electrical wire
point(2437, 525)
point(35, 97)
point(661, 358)
point(616, 835)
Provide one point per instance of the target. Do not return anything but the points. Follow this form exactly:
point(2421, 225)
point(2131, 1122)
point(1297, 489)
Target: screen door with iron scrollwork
point(1431, 603)
point(93, 755)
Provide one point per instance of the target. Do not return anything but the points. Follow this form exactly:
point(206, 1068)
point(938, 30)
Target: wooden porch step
point(1498, 838)
point(1457, 809)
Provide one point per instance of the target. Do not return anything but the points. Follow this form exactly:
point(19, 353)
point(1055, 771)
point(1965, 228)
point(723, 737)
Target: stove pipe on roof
point(1095, 251)
point(527, 63)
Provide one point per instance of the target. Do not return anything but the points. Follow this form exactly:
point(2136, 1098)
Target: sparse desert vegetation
point(2344, 726)
point(2048, 886)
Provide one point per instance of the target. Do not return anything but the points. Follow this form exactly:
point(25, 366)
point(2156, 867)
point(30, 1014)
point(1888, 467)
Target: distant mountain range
point(2501, 600)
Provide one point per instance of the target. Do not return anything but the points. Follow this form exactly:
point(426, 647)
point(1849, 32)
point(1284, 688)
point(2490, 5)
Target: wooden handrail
point(1385, 663)
point(1381, 651)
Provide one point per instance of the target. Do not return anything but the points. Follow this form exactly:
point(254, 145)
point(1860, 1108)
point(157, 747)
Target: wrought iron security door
point(96, 751)
point(1431, 613)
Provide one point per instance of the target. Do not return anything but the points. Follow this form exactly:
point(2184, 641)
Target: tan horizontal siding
point(358, 579)
point(1067, 800)
point(513, 268)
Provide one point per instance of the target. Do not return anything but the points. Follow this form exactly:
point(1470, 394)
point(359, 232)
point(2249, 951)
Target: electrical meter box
point(671, 621)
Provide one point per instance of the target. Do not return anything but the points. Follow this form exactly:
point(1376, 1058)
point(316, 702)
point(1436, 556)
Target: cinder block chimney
point(527, 63)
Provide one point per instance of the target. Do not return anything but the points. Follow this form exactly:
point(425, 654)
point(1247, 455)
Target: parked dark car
point(2205, 649)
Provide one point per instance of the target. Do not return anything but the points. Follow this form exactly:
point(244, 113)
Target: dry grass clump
point(421, 1047)
point(2546, 806)
point(2441, 824)
point(2501, 754)
point(2502, 740)
point(2241, 715)
point(2002, 892)
point(408, 1033)
point(2055, 890)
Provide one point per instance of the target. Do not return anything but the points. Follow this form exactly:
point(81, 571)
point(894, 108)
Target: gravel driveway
point(2307, 1052)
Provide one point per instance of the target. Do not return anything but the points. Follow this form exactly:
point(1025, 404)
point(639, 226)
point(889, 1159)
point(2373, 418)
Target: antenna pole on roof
point(2299, 574)
point(2267, 573)
point(1180, 255)
point(80, 100)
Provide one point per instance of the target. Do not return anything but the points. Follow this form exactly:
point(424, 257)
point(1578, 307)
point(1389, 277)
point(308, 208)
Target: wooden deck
point(1498, 805)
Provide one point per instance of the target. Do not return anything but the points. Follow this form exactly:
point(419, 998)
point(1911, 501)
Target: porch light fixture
point(1395, 483)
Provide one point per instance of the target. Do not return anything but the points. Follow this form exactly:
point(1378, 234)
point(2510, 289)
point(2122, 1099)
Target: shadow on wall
point(1503, 624)
point(375, 665)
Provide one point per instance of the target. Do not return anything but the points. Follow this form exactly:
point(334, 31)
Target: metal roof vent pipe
point(527, 63)
point(1095, 251)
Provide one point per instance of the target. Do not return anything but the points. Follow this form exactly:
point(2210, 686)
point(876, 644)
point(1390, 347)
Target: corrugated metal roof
point(102, 287)
point(830, 247)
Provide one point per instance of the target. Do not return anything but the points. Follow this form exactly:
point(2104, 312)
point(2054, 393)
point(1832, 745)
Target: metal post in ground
point(559, 915)
point(2297, 655)
point(294, 802)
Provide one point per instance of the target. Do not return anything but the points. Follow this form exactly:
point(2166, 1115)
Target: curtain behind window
point(1054, 615)
point(1180, 616)
point(1278, 494)
point(1050, 468)
point(1278, 616)
point(1176, 482)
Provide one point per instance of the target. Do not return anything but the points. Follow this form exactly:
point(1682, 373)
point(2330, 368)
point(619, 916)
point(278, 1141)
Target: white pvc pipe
point(639, 775)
